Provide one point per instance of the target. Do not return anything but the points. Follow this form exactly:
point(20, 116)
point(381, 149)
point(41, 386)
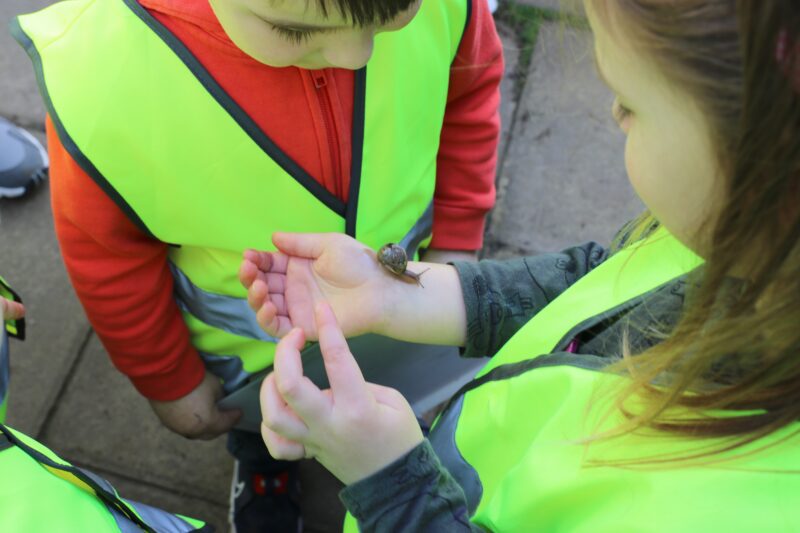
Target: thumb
point(223, 421)
point(306, 245)
point(388, 396)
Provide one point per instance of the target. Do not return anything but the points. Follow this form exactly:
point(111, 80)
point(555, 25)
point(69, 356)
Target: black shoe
point(264, 503)
point(23, 161)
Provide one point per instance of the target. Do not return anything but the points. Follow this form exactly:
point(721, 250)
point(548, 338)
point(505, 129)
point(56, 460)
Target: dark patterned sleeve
point(501, 296)
point(413, 494)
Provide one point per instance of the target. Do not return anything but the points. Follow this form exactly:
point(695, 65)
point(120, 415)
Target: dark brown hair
point(730, 369)
point(365, 12)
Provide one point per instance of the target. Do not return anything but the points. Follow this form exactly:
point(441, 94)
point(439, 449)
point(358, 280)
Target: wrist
point(430, 313)
point(393, 295)
point(392, 481)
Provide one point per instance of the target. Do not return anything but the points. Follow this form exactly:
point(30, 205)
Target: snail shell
point(393, 257)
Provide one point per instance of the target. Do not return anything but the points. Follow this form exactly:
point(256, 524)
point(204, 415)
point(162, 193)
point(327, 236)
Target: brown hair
point(736, 347)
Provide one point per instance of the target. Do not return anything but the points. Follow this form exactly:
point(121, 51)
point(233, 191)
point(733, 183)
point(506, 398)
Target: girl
point(653, 386)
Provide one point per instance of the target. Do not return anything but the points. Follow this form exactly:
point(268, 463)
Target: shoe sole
point(12, 192)
point(16, 192)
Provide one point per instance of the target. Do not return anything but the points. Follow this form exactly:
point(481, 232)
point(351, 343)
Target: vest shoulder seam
point(68, 26)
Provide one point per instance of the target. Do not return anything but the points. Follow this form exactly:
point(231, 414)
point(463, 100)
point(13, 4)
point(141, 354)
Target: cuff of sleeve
point(175, 383)
point(474, 287)
point(457, 228)
point(393, 484)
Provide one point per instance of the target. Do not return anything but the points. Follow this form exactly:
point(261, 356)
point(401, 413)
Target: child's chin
point(312, 65)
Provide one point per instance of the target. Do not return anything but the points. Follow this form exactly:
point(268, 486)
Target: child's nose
point(351, 52)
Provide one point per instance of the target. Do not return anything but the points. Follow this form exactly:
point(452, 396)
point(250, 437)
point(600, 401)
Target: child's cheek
point(631, 166)
point(276, 52)
point(641, 177)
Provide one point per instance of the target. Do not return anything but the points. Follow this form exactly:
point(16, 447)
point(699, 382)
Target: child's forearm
point(430, 314)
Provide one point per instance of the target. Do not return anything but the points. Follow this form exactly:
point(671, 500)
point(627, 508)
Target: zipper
point(323, 94)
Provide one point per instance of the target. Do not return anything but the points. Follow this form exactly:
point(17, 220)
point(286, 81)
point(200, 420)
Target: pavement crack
point(53, 400)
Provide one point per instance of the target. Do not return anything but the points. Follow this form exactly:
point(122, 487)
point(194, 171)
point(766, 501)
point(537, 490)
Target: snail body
point(393, 258)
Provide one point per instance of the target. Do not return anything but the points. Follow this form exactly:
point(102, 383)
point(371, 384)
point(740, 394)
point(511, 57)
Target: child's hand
point(11, 310)
point(354, 428)
point(284, 286)
point(196, 415)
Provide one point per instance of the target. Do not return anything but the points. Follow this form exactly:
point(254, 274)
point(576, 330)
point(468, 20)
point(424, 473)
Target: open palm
point(285, 286)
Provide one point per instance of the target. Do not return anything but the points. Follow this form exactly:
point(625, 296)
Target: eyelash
point(293, 36)
point(621, 112)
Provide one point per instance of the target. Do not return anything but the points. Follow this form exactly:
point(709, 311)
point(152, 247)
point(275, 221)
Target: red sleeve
point(122, 279)
point(465, 189)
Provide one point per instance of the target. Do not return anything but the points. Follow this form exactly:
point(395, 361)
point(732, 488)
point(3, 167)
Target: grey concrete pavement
point(102, 420)
point(56, 326)
point(64, 390)
point(20, 101)
point(561, 181)
point(555, 5)
point(511, 53)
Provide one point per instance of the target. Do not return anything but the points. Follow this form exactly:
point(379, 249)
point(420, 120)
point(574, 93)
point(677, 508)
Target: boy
point(183, 131)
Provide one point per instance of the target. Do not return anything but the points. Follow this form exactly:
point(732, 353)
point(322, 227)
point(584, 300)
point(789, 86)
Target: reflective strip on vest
point(186, 130)
point(227, 313)
point(129, 516)
point(228, 368)
point(421, 231)
point(156, 518)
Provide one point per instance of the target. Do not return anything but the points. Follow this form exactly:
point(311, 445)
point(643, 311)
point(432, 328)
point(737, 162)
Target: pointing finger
point(344, 375)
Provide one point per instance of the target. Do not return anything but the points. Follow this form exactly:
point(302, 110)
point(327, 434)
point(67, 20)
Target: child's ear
point(787, 53)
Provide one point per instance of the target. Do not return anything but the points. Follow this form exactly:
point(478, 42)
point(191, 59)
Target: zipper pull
point(320, 81)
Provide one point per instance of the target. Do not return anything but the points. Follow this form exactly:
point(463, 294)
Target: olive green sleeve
point(501, 296)
point(414, 493)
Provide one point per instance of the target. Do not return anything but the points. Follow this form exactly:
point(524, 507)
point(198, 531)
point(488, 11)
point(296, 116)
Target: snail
point(394, 259)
